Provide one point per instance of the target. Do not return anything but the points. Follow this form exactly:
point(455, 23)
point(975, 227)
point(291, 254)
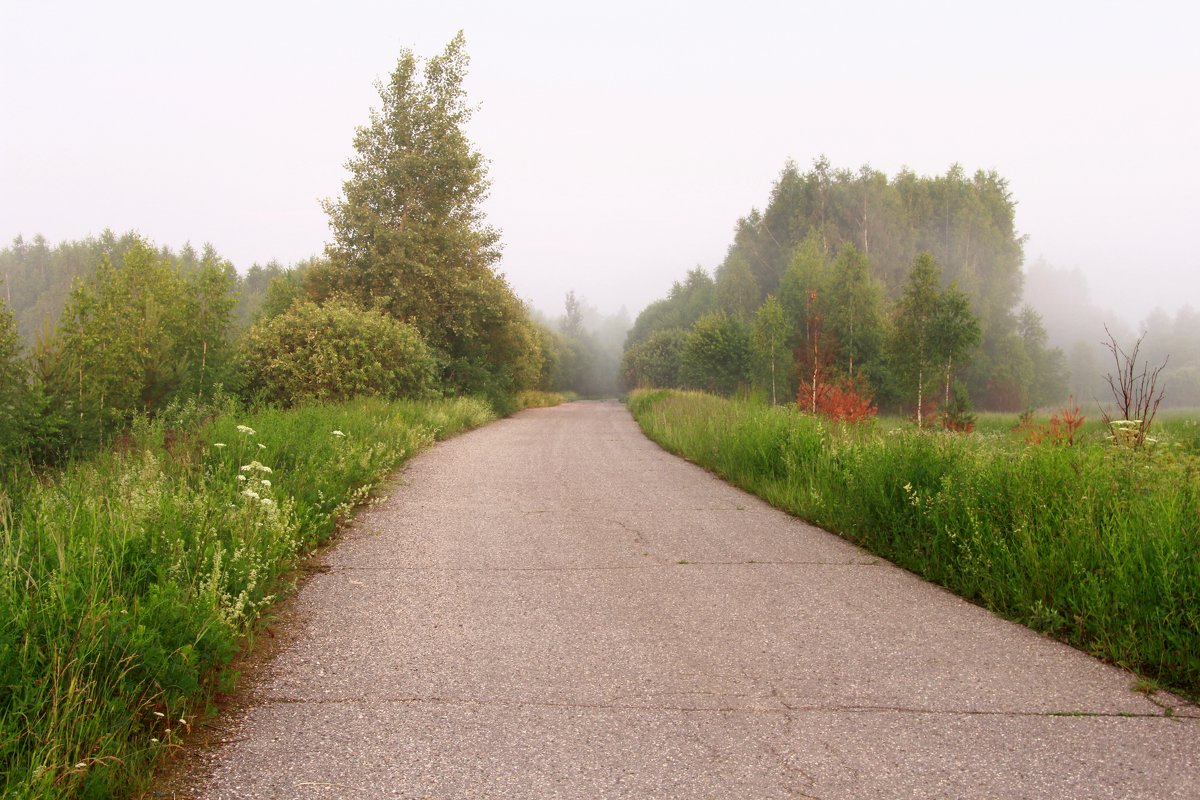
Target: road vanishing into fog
point(552, 606)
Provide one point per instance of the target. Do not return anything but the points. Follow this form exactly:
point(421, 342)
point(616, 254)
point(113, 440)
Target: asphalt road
point(552, 606)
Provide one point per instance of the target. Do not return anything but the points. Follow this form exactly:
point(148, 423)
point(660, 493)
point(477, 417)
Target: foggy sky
point(624, 140)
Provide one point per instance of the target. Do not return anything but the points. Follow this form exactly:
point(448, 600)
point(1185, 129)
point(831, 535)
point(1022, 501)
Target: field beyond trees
point(1095, 542)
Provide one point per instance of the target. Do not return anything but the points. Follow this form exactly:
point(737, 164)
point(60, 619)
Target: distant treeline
point(823, 288)
point(36, 278)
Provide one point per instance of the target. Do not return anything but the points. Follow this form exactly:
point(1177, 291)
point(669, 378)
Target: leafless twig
point(1137, 394)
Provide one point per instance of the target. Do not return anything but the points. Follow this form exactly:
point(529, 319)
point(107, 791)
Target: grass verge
point(1095, 544)
point(127, 581)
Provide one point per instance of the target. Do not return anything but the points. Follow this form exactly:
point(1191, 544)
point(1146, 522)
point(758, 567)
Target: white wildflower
point(241, 477)
point(159, 714)
point(266, 501)
point(262, 446)
point(246, 429)
point(338, 433)
point(266, 483)
point(81, 765)
point(218, 445)
point(253, 495)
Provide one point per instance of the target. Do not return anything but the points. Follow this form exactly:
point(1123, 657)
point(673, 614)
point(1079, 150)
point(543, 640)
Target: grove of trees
point(904, 289)
point(406, 302)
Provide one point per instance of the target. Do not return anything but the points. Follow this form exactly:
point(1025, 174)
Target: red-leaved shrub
point(1061, 430)
point(847, 400)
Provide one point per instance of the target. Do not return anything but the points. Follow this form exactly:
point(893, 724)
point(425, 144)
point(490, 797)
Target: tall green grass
point(127, 581)
point(1096, 544)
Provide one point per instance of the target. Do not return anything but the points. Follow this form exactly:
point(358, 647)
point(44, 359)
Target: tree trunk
point(203, 364)
point(920, 395)
point(814, 389)
point(773, 400)
point(949, 368)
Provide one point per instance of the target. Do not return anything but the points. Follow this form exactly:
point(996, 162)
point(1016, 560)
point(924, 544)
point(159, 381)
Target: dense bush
point(655, 361)
point(716, 354)
point(335, 352)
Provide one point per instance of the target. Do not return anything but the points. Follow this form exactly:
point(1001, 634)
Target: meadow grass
point(1096, 544)
point(127, 581)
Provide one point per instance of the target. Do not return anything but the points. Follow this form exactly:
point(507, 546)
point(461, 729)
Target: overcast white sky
point(625, 138)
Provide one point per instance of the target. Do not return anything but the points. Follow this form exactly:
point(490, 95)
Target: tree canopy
point(409, 234)
point(838, 249)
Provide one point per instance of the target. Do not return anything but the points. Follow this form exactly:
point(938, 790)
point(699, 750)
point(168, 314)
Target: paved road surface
point(552, 606)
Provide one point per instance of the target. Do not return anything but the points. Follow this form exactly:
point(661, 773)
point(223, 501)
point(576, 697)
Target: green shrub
point(716, 354)
point(655, 361)
point(335, 352)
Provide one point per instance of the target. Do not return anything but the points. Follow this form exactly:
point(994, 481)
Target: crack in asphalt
point(604, 568)
point(784, 711)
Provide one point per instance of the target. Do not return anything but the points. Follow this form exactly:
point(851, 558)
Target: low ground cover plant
point(127, 580)
point(1095, 543)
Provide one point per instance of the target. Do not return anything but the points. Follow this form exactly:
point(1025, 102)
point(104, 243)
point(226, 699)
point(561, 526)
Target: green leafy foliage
point(737, 290)
point(806, 277)
point(913, 350)
point(955, 333)
point(15, 400)
point(934, 332)
point(656, 361)
point(267, 291)
point(336, 352)
point(838, 250)
point(770, 340)
point(134, 336)
point(716, 354)
point(687, 302)
point(855, 311)
point(1049, 365)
